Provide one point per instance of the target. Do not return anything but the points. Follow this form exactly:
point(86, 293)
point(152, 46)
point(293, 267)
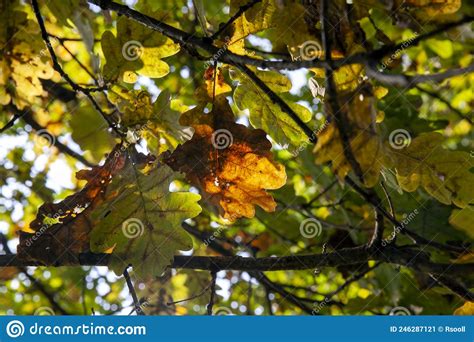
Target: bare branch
point(277, 100)
point(236, 16)
point(131, 289)
point(212, 293)
point(446, 102)
point(454, 286)
point(412, 258)
point(58, 68)
point(406, 81)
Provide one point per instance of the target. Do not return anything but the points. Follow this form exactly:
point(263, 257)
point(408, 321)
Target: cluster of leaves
point(223, 167)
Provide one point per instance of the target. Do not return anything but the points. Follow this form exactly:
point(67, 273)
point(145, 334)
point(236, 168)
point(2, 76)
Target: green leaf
point(267, 115)
point(443, 48)
point(141, 220)
point(463, 220)
point(89, 130)
point(156, 122)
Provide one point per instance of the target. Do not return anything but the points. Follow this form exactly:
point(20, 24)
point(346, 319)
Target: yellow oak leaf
point(366, 146)
point(444, 174)
point(136, 50)
point(467, 309)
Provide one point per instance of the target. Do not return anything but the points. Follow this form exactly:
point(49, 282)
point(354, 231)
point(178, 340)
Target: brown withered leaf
point(61, 230)
point(230, 162)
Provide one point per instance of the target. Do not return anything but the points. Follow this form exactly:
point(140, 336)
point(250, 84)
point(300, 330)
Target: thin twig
point(212, 293)
point(446, 102)
point(18, 114)
point(414, 236)
point(407, 81)
point(65, 76)
point(454, 286)
point(322, 193)
point(78, 61)
point(36, 283)
point(200, 294)
point(278, 101)
point(377, 236)
point(131, 289)
point(353, 278)
point(236, 16)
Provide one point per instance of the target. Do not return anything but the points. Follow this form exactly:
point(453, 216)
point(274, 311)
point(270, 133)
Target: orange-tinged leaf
point(61, 230)
point(231, 163)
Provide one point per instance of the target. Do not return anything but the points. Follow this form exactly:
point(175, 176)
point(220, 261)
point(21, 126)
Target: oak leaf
point(136, 50)
point(230, 162)
point(155, 121)
point(366, 146)
point(61, 230)
point(445, 175)
point(140, 219)
point(463, 219)
point(467, 309)
point(267, 115)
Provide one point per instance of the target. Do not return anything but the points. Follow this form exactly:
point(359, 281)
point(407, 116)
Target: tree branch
point(406, 81)
point(205, 43)
point(454, 286)
point(131, 289)
point(58, 68)
point(412, 258)
point(36, 283)
point(278, 101)
point(375, 201)
point(212, 293)
point(236, 16)
point(335, 111)
point(445, 102)
point(387, 49)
